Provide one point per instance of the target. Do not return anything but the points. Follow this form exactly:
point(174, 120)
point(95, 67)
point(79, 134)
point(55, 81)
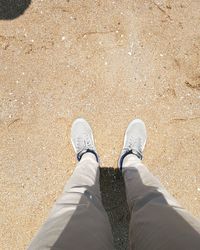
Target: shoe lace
point(135, 143)
point(84, 142)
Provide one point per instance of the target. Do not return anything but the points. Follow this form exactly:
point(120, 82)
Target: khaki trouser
point(78, 220)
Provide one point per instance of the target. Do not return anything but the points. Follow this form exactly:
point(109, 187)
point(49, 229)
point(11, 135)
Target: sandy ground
point(108, 61)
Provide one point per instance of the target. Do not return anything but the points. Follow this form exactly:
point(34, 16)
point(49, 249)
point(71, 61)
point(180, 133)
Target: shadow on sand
point(114, 200)
point(11, 9)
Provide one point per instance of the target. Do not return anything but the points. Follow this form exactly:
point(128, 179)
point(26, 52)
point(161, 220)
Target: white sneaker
point(134, 140)
point(82, 138)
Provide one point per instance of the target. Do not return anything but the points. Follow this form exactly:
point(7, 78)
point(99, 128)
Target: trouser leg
point(78, 219)
point(157, 222)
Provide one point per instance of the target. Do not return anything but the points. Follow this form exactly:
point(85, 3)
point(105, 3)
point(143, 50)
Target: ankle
point(129, 159)
point(129, 156)
point(88, 153)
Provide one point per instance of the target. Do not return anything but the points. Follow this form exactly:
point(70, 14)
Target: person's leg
point(157, 222)
point(78, 219)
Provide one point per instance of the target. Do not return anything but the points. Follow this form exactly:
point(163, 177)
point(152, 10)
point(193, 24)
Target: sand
point(106, 61)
